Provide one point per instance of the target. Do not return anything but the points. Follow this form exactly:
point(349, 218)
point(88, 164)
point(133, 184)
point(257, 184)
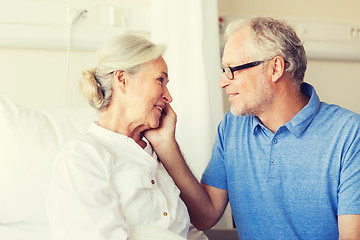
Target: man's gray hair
point(270, 37)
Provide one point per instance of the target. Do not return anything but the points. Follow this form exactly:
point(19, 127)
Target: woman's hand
point(166, 130)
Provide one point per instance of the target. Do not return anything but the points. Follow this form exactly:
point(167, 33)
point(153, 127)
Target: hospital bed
point(29, 140)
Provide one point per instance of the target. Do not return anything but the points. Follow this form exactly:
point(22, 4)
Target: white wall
point(335, 81)
point(34, 35)
point(38, 78)
point(320, 10)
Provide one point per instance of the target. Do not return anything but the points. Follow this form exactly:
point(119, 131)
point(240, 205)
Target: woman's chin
point(155, 125)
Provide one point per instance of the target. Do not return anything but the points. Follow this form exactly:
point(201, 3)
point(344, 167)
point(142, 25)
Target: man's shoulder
point(334, 118)
point(338, 113)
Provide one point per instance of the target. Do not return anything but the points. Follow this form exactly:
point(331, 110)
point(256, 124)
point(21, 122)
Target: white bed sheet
point(31, 231)
point(24, 231)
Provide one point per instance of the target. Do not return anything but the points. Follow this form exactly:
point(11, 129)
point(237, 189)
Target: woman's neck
point(112, 121)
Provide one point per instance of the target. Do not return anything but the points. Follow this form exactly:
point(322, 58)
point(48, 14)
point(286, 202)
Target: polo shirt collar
point(256, 123)
point(302, 119)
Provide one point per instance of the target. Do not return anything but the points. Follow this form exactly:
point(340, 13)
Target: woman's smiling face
point(148, 93)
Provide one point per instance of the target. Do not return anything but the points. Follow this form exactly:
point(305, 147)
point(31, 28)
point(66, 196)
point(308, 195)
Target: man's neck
point(287, 103)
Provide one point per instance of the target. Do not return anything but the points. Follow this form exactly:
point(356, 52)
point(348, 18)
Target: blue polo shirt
point(291, 184)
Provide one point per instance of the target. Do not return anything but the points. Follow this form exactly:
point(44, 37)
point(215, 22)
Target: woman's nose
point(166, 95)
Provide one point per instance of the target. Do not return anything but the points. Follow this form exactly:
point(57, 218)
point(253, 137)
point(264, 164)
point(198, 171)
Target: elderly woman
point(108, 183)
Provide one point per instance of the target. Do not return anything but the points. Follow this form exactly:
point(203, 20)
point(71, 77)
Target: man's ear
point(120, 79)
point(278, 68)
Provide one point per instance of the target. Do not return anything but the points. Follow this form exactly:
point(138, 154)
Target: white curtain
point(189, 29)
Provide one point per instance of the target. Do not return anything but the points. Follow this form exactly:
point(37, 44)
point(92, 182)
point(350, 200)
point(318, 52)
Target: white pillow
point(29, 141)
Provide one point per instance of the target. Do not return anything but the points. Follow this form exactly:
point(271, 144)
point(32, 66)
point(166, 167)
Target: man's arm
point(349, 227)
point(206, 204)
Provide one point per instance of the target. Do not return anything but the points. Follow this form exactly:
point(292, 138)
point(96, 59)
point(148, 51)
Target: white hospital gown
point(104, 184)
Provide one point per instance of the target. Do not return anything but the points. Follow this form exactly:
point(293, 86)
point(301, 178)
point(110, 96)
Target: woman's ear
point(278, 68)
point(120, 79)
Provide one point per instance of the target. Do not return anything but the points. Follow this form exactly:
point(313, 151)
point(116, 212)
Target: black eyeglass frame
point(237, 68)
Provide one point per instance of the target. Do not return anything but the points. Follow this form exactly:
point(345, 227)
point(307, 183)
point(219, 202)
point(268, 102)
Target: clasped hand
point(166, 131)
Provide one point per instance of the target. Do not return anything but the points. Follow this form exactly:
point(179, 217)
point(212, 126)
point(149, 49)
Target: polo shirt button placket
point(274, 141)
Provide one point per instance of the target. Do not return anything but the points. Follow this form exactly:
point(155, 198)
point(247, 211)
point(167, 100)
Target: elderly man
point(288, 163)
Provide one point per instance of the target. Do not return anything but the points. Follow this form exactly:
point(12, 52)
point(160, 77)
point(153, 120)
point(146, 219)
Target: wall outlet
point(89, 15)
point(354, 33)
point(120, 16)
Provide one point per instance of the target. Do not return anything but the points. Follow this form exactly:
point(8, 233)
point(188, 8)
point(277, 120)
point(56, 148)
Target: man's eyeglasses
point(229, 71)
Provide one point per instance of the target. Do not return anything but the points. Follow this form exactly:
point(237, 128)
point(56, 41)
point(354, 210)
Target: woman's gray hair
point(123, 53)
point(269, 38)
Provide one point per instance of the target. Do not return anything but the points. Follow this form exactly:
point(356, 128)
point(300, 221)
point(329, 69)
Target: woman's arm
point(206, 204)
point(349, 227)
